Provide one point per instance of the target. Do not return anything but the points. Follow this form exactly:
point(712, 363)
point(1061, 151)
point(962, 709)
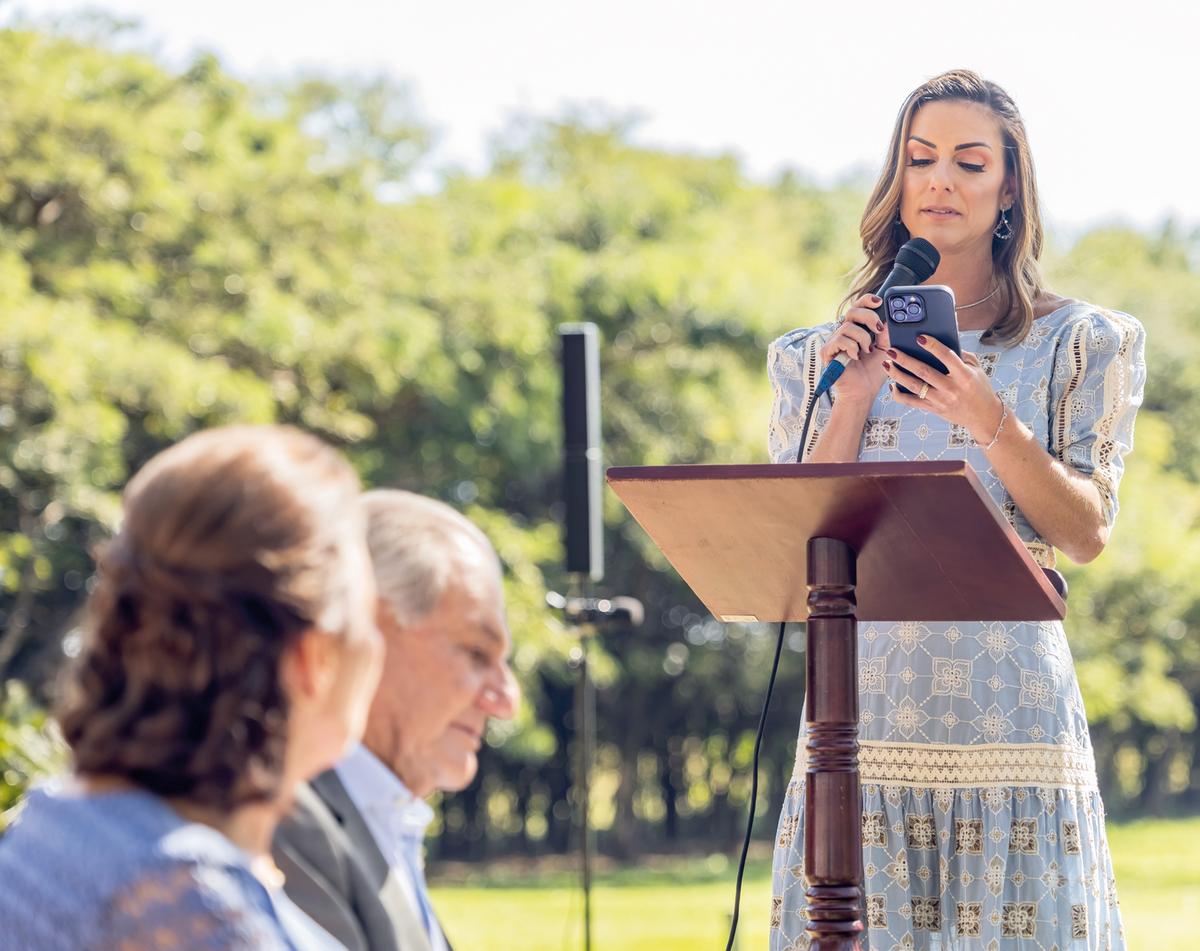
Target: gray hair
point(415, 545)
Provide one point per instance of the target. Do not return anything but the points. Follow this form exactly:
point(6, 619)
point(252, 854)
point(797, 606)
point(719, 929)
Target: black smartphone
point(921, 309)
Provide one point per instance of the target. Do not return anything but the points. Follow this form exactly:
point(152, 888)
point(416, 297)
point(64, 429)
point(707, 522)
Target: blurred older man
point(351, 851)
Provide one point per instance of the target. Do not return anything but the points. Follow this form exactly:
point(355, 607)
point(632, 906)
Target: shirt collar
point(376, 790)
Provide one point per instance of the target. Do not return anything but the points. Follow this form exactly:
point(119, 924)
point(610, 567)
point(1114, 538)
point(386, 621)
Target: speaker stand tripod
point(585, 615)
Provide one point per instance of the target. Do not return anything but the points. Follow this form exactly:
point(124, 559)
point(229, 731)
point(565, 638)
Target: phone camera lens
point(914, 308)
point(897, 303)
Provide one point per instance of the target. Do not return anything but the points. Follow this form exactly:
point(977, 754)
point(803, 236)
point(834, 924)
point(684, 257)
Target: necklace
point(980, 301)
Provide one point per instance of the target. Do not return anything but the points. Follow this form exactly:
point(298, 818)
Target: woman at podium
point(982, 821)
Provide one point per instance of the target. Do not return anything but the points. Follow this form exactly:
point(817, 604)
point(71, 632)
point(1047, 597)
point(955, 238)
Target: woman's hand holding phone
point(864, 374)
point(963, 395)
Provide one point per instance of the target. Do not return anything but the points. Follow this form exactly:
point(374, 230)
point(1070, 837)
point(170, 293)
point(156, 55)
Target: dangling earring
point(897, 224)
point(1004, 230)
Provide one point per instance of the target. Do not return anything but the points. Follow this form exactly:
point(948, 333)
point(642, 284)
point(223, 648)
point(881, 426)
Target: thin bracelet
point(1003, 418)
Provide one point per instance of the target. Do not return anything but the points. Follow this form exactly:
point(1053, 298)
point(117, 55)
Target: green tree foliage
point(179, 250)
point(30, 747)
point(1134, 613)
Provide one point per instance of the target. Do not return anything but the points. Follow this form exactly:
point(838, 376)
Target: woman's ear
point(1008, 192)
point(309, 666)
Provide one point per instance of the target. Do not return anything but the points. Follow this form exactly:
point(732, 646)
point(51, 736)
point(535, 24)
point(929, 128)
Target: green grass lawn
point(1158, 881)
point(686, 904)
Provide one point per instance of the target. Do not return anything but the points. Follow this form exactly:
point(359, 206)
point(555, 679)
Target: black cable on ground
point(762, 722)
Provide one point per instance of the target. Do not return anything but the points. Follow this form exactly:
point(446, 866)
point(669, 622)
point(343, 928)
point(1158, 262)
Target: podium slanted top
point(931, 543)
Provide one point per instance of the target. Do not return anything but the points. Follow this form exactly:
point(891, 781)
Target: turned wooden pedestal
point(832, 799)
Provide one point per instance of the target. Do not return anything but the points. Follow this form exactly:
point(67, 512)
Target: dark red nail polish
point(892, 354)
point(887, 365)
point(922, 339)
point(879, 327)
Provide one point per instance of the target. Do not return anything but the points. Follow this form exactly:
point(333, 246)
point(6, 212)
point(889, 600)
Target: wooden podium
point(911, 541)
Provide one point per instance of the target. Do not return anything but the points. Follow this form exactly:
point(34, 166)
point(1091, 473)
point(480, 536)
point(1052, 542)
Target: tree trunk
point(523, 784)
point(1155, 791)
point(625, 838)
point(669, 790)
point(557, 774)
point(1105, 746)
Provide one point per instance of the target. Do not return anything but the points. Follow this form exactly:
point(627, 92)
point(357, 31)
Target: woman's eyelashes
point(975, 167)
point(968, 166)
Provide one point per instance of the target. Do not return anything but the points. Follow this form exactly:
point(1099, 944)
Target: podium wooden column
point(833, 544)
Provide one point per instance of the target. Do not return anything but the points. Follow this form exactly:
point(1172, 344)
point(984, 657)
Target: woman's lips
point(940, 212)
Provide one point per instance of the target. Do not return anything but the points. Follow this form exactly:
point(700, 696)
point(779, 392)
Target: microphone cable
point(762, 719)
point(808, 415)
point(762, 722)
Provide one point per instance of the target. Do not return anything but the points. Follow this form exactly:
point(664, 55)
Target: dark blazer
point(335, 872)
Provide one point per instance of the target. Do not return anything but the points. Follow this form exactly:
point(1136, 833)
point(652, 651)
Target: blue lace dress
point(123, 872)
point(982, 823)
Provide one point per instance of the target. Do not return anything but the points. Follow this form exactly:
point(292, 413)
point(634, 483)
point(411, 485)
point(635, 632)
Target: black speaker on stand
point(582, 462)
point(583, 493)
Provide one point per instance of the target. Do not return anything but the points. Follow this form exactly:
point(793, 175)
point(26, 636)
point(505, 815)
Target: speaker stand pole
point(584, 615)
point(585, 719)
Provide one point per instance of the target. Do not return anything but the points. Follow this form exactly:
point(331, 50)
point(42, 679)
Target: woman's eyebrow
point(957, 148)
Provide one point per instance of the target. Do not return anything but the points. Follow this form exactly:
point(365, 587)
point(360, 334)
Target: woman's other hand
point(962, 395)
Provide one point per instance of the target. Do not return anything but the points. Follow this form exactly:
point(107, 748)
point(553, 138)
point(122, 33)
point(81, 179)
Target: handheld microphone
point(915, 262)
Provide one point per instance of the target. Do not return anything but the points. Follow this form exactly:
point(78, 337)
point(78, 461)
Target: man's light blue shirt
point(397, 820)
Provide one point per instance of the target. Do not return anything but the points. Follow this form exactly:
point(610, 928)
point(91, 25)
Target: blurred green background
point(180, 249)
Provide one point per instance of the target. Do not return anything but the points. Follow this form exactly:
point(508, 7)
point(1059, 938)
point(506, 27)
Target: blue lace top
point(123, 871)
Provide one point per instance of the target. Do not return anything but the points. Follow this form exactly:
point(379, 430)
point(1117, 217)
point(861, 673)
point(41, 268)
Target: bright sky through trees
point(1106, 91)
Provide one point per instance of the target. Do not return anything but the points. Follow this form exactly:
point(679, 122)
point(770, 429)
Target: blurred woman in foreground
point(230, 653)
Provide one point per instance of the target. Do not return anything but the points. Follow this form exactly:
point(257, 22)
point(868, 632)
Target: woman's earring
point(1004, 229)
point(897, 224)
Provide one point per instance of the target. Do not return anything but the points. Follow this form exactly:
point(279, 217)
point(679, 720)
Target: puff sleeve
point(794, 366)
point(1095, 391)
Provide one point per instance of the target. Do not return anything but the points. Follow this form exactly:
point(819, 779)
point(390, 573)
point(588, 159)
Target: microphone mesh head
point(920, 257)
